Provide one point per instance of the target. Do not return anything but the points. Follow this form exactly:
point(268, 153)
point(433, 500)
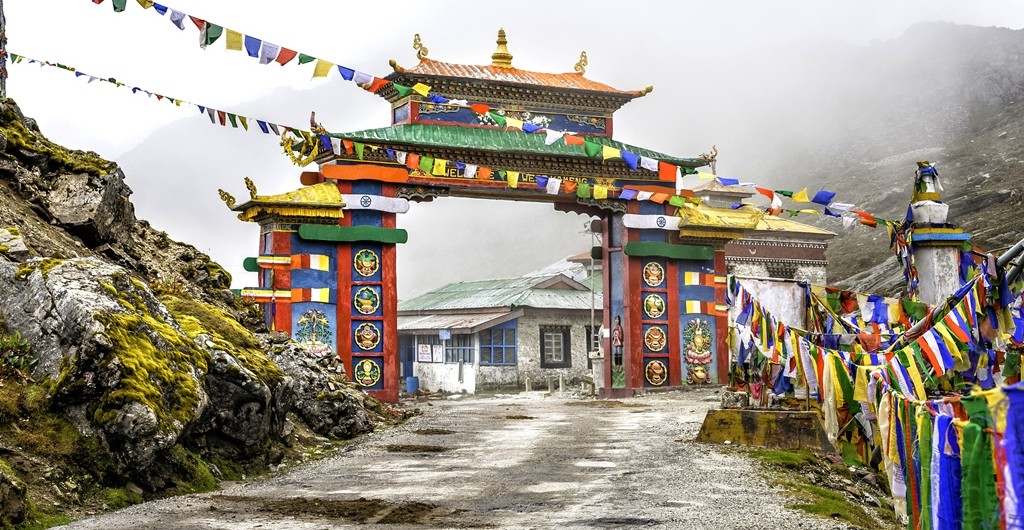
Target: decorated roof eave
point(392, 95)
point(384, 136)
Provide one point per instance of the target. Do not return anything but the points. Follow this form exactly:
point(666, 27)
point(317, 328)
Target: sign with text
point(423, 353)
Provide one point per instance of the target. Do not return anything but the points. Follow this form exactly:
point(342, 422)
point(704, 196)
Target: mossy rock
point(20, 137)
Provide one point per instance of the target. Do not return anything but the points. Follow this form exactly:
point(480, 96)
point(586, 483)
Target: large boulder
point(324, 400)
point(124, 370)
point(94, 207)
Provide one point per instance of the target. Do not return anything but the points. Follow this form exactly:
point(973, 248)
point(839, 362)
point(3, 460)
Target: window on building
point(554, 347)
point(593, 342)
point(459, 349)
point(498, 346)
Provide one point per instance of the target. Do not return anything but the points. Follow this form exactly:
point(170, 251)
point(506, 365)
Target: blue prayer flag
point(437, 99)
point(202, 109)
point(830, 212)
point(346, 73)
point(631, 159)
point(529, 127)
point(252, 46)
point(263, 126)
point(823, 197)
point(736, 205)
point(326, 142)
point(628, 195)
point(542, 182)
point(160, 9)
point(727, 181)
point(391, 153)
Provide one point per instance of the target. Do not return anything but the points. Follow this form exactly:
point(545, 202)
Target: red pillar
point(721, 321)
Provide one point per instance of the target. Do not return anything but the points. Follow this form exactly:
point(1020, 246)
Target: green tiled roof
point(495, 139)
point(513, 292)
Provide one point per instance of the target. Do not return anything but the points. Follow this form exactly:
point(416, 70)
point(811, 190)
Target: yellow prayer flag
point(234, 39)
point(600, 192)
point(322, 68)
point(513, 178)
point(440, 166)
point(514, 123)
point(610, 152)
point(860, 387)
point(245, 122)
point(146, 4)
point(705, 176)
point(421, 89)
point(801, 196)
point(810, 211)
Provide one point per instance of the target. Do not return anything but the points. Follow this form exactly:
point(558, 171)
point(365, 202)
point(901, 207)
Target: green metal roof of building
point(514, 292)
point(495, 139)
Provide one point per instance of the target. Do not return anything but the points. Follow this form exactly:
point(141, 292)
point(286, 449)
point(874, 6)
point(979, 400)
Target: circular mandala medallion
point(366, 262)
point(656, 373)
point(655, 338)
point(654, 274)
point(367, 335)
point(365, 201)
point(654, 306)
point(366, 300)
point(367, 372)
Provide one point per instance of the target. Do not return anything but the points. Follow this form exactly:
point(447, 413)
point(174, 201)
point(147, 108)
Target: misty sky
point(696, 54)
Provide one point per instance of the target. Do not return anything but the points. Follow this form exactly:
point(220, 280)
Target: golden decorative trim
point(646, 90)
point(307, 151)
point(394, 66)
point(227, 198)
point(251, 187)
point(581, 65)
point(421, 50)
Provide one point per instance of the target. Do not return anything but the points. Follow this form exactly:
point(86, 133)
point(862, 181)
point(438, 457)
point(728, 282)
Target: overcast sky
point(674, 45)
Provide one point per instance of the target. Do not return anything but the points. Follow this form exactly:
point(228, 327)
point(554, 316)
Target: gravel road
point(505, 461)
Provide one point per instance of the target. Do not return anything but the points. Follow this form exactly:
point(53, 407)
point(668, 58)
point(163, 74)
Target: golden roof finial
point(227, 198)
point(395, 66)
point(251, 187)
point(421, 50)
point(581, 66)
point(646, 90)
point(501, 58)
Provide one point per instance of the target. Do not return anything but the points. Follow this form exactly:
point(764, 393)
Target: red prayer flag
point(572, 139)
point(666, 171)
point(97, 1)
point(479, 108)
point(866, 218)
point(660, 198)
point(377, 84)
point(766, 192)
point(198, 22)
point(570, 186)
point(412, 161)
point(222, 116)
point(348, 146)
point(285, 55)
point(483, 173)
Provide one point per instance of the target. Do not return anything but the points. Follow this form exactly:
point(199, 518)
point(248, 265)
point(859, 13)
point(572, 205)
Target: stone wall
point(530, 344)
point(445, 376)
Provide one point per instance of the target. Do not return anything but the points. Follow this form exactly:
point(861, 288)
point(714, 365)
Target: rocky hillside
point(127, 368)
point(950, 94)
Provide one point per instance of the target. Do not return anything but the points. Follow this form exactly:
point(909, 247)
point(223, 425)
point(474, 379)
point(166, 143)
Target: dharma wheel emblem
point(365, 201)
point(661, 221)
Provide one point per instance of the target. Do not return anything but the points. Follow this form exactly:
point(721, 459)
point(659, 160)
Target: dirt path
point(509, 461)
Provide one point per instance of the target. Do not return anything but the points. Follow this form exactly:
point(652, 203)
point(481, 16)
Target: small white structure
point(496, 334)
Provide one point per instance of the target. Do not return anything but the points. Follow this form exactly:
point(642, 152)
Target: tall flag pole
point(3, 56)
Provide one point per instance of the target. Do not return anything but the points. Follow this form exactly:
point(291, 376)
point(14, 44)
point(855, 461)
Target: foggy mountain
point(821, 115)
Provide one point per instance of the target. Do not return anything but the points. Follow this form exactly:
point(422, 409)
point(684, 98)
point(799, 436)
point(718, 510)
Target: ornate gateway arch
point(326, 264)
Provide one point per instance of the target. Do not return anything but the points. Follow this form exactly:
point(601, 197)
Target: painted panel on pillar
point(368, 372)
point(313, 279)
point(368, 187)
point(366, 262)
point(698, 348)
point(655, 338)
point(654, 273)
point(313, 327)
point(655, 306)
point(367, 336)
point(366, 301)
point(364, 217)
point(655, 372)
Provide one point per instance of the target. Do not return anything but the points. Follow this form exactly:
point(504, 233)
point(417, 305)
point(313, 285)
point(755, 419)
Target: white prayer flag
point(553, 185)
point(644, 195)
point(470, 171)
point(400, 155)
point(552, 136)
point(268, 52)
point(648, 163)
point(361, 78)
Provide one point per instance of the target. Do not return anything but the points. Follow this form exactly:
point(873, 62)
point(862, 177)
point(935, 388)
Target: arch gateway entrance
point(327, 269)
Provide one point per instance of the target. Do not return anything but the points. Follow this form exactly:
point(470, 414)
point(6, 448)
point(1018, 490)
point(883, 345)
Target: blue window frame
point(459, 349)
point(498, 344)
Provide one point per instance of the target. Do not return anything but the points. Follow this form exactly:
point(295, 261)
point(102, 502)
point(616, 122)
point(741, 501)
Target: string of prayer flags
point(823, 197)
point(608, 152)
point(800, 196)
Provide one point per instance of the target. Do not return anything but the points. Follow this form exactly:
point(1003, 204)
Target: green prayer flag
point(303, 58)
point(360, 147)
point(498, 118)
point(212, 32)
point(232, 119)
point(583, 191)
point(843, 377)
point(401, 89)
point(913, 309)
point(676, 200)
point(784, 193)
point(119, 5)
point(426, 164)
point(924, 451)
point(592, 148)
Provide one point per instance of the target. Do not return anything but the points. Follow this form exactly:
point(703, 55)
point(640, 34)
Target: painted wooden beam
point(250, 265)
point(350, 234)
point(669, 250)
point(655, 222)
point(355, 201)
point(365, 172)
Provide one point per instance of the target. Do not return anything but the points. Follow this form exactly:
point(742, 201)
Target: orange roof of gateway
point(513, 75)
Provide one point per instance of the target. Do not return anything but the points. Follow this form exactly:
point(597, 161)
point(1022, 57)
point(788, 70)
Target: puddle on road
point(519, 417)
point(594, 463)
point(607, 404)
point(619, 522)
point(431, 432)
point(412, 448)
point(361, 510)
